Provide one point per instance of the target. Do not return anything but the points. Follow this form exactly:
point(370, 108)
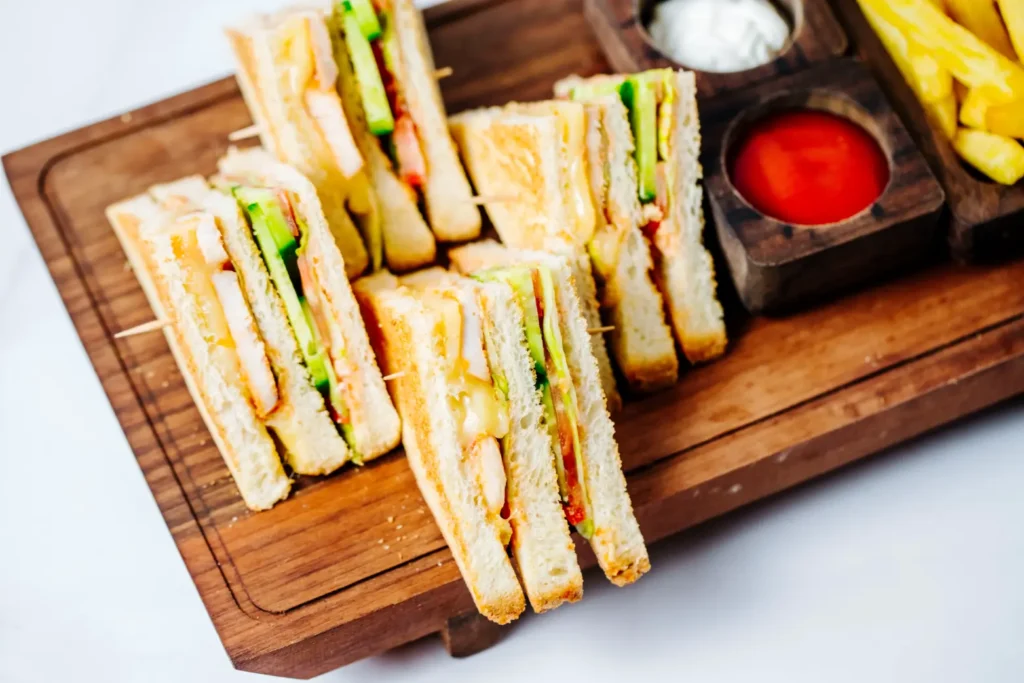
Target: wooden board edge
point(956, 387)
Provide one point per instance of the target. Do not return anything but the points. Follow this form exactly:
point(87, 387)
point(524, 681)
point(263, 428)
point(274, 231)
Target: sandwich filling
point(282, 238)
point(650, 99)
point(312, 78)
point(477, 398)
point(368, 30)
point(534, 288)
point(211, 279)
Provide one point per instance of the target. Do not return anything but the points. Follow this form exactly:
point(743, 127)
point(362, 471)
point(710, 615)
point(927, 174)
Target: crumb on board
point(126, 117)
point(390, 519)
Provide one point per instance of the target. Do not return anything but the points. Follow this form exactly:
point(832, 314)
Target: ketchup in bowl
point(808, 167)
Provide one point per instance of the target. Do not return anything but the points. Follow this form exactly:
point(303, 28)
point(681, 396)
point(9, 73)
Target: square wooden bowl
point(777, 266)
point(621, 29)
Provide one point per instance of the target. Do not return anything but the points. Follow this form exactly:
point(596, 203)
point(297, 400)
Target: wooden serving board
point(352, 565)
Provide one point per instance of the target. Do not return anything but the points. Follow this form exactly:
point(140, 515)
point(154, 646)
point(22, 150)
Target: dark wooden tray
point(352, 564)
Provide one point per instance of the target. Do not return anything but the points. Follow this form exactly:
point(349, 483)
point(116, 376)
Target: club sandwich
point(350, 98)
point(665, 138)
point(262, 324)
point(475, 436)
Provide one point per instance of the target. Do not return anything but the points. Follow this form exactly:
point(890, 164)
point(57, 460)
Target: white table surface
point(906, 568)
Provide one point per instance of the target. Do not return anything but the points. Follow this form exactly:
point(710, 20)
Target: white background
point(907, 568)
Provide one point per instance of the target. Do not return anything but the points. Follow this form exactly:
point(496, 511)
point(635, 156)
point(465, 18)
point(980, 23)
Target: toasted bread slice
point(212, 377)
point(413, 346)
point(685, 269)
point(447, 193)
point(541, 545)
point(374, 420)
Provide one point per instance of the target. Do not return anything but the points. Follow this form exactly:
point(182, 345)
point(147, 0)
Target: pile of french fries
point(963, 59)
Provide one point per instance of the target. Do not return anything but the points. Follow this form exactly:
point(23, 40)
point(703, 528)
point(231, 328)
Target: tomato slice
point(412, 167)
point(408, 157)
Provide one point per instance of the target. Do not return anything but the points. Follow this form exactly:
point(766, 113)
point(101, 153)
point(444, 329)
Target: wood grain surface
point(352, 565)
point(987, 219)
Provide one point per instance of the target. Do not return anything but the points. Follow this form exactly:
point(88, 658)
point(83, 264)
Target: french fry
point(999, 157)
point(1006, 119)
point(974, 107)
point(939, 5)
point(935, 82)
point(1013, 17)
point(981, 18)
point(943, 114)
point(929, 80)
point(967, 57)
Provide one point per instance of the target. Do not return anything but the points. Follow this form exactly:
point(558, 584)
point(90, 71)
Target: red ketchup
point(809, 167)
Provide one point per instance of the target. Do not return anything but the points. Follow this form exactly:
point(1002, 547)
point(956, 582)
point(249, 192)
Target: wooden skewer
point(151, 326)
point(443, 72)
point(394, 375)
point(491, 200)
point(599, 330)
point(244, 133)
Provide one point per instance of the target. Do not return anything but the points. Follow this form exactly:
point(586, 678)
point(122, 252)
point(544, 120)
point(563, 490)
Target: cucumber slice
point(638, 94)
point(366, 16)
point(371, 88)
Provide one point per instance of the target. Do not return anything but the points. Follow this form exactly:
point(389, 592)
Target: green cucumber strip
point(366, 16)
point(282, 280)
point(371, 88)
point(639, 97)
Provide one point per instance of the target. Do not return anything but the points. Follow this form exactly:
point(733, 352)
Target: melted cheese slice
point(481, 414)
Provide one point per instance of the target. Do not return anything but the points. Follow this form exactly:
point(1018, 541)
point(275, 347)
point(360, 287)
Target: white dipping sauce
point(719, 35)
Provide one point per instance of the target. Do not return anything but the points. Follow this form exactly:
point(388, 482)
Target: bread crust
point(543, 549)
point(432, 449)
point(129, 219)
point(617, 541)
point(447, 193)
